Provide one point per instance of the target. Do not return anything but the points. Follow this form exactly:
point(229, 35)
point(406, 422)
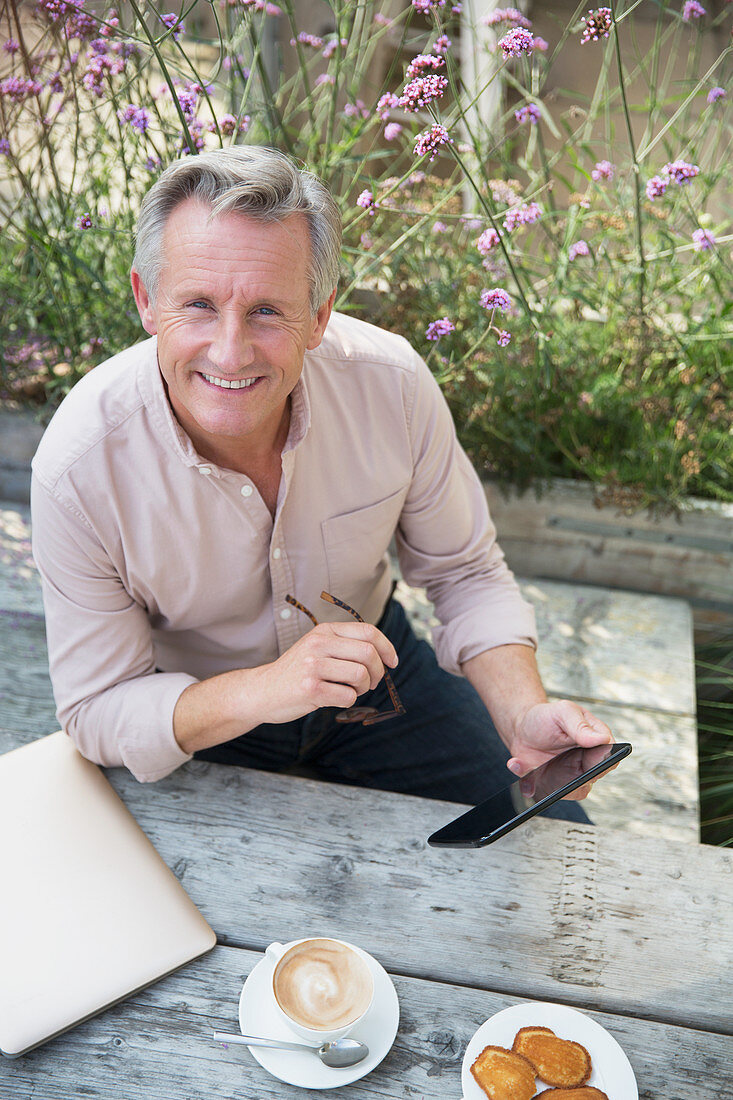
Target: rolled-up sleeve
point(446, 541)
point(109, 698)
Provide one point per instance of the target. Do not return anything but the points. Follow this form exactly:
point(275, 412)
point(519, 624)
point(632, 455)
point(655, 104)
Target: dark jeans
point(444, 746)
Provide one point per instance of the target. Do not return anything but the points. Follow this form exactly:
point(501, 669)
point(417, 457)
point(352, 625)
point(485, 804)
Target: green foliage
point(613, 362)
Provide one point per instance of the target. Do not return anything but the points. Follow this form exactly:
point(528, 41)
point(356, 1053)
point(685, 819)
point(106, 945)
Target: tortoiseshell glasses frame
point(368, 716)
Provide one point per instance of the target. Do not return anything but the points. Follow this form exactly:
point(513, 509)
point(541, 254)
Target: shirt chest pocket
point(356, 543)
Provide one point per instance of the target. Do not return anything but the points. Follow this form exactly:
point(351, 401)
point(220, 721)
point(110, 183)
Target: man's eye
point(266, 310)
point(199, 304)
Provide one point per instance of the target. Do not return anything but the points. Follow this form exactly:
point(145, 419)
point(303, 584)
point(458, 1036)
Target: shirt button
point(204, 469)
point(246, 490)
point(276, 552)
point(285, 613)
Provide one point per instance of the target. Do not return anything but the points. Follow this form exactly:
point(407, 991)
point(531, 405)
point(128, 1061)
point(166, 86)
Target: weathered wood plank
point(563, 535)
point(20, 587)
point(599, 644)
point(26, 698)
point(157, 1047)
point(555, 912)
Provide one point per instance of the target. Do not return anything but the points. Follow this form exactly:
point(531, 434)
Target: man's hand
point(330, 666)
point(532, 728)
point(547, 729)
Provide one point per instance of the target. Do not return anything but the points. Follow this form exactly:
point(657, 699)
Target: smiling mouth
point(229, 383)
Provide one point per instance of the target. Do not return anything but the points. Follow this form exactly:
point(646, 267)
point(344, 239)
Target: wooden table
point(636, 934)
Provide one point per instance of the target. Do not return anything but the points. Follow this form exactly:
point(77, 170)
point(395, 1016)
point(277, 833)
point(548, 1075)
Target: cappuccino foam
point(322, 984)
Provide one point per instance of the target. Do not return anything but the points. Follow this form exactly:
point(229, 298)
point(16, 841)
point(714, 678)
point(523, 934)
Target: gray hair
point(247, 179)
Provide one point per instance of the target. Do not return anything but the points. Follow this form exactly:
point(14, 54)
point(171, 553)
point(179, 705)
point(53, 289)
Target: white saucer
point(258, 1016)
point(612, 1072)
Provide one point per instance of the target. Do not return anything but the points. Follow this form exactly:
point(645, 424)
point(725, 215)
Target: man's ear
point(320, 321)
point(143, 303)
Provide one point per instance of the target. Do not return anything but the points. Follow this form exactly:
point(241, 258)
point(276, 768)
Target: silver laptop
point(89, 912)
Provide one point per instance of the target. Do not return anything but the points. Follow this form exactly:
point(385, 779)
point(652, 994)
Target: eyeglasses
point(368, 716)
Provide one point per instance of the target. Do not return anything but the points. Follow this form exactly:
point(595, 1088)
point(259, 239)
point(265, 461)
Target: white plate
point(612, 1072)
point(258, 1016)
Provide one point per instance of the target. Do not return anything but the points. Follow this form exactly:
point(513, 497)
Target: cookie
point(556, 1061)
point(503, 1074)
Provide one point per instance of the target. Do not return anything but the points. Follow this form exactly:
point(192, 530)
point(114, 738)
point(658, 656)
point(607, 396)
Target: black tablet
point(528, 796)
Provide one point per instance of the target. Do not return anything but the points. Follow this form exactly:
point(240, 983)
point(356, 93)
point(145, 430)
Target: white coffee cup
point(322, 988)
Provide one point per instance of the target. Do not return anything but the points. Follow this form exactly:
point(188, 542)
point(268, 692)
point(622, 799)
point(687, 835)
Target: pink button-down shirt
point(153, 558)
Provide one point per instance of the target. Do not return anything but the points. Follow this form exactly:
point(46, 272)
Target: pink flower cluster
point(84, 222)
point(330, 48)
point(496, 298)
point(229, 124)
point(442, 44)
point(580, 248)
point(305, 39)
point(598, 25)
point(387, 103)
point(425, 7)
point(603, 170)
point(529, 113)
point(423, 63)
point(174, 25)
point(715, 94)
point(18, 88)
point(366, 201)
point(137, 117)
point(439, 328)
point(516, 42)
point(506, 15)
point(502, 337)
point(680, 171)
point(431, 141)
point(524, 214)
point(422, 90)
point(692, 10)
point(703, 240)
point(488, 240)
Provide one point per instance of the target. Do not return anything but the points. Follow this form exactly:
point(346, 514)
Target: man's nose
point(232, 347)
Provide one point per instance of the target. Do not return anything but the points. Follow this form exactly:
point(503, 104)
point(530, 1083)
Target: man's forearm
point(216, 710)
point(508, 681)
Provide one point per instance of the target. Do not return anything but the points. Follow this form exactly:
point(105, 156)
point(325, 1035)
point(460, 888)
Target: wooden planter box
point(563, 535)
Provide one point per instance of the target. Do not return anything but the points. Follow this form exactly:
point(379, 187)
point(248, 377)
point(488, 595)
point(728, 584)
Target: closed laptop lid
point(89, 912)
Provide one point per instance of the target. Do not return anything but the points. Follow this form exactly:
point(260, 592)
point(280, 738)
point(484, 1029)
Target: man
point(257, 447)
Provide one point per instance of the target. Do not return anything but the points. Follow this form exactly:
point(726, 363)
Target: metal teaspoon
point(337, 1054)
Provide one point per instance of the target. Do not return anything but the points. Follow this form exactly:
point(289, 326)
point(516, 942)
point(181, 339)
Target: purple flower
point(680, 171)
point(503, 337)
point(489, 239)
point(425, 7)
point(598, 24)
point(18, 88)
point(540, 44)
point(356, 110)
point(529, 113)
point(422, 64)
point(324, 78)
point(392, 131)
point(692, 10)
point(366, 201)
point(431, 141)
point(524, 214)
point(603, 170)
point(439, 227)
point(422, 90)
point(516, 42)
point(387, 103)
point(439, 328)
point(306, 39)
point(703, 240)
point(174, 25)
point(229, 124)
point(330, 48)
point(84, 222)
point(715, 94)
point(152, 163)
point(580, 248)
point(656, 187)
point(80, 24)
point(506, 15)
point(11, 46)
point(137, 117)
point(495, 299)
point(4, 147)
point(187, 100)
point(442, 44)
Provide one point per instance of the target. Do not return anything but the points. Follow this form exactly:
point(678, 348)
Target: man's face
point(233, 322)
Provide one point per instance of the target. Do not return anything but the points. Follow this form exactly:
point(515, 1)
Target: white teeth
point(234, 384)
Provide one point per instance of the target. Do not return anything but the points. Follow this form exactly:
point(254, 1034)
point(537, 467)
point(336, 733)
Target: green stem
point(635, 164)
